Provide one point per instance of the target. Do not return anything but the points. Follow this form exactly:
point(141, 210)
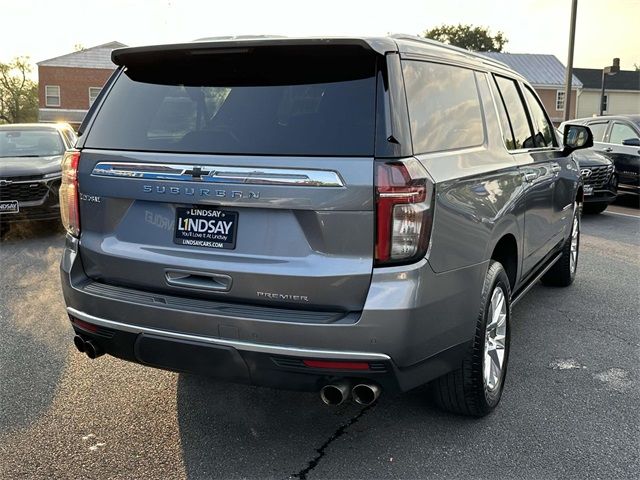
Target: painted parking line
point(622, 214)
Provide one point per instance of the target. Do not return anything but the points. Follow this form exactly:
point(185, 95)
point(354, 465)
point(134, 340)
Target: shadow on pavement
point(238, 431)
point(30, 230)
point(33, 347)
point(627, 200)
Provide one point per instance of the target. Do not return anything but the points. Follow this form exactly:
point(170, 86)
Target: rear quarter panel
point(479, 197)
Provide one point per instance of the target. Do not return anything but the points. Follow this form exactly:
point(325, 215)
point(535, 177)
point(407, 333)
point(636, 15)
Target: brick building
point(546, 74)
point(70, 83)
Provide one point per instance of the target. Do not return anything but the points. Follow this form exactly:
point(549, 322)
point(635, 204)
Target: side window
point(598, 130)
point(444, 107)
point(507, 132)
point(516, 111)
point(543, 131)
point(620, 132)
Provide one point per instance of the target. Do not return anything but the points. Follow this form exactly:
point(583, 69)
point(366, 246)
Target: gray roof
point(538, 69)
point(94, 57)
point(623, 80)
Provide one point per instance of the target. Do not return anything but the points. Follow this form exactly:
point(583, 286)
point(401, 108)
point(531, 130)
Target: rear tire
point(475, 388)
point(595, 208)
point(564, 270)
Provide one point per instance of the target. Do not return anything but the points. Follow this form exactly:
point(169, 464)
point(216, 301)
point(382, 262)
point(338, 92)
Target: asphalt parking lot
point(571, 408)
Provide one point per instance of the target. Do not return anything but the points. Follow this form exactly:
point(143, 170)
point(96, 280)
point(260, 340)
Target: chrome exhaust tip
point(365, 394)
point(335, 393)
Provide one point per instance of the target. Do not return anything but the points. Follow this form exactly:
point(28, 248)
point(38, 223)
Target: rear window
point(305, 102)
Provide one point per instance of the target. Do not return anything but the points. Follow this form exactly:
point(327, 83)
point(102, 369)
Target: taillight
point(69, 208)
point(404, 198)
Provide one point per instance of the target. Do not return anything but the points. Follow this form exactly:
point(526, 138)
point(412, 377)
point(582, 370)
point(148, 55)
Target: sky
point(43, 29)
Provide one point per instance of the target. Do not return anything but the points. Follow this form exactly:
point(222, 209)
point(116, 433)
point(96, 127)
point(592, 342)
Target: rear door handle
point(608, 149)
point(198, 280)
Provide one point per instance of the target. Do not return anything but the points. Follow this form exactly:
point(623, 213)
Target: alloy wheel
point(495, 339)
point(575, 235)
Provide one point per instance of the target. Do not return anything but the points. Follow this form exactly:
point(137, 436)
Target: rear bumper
point(256, 364)
point(416, 326)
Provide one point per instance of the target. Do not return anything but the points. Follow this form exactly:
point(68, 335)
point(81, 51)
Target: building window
point(93, 94)
point(559, 100)
point(52, 96)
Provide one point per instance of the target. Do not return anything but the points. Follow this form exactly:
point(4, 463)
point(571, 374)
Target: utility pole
point(572, 40)
point(606, 71)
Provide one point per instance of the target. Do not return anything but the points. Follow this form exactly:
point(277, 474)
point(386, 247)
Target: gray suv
point(345, 215)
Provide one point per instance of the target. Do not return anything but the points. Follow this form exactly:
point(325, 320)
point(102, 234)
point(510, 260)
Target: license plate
point(206, 227)
point(9, 206)
point(588, 190)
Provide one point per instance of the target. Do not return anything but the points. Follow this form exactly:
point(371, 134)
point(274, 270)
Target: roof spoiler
point(154, 53)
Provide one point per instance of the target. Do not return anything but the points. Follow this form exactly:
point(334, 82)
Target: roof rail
point(435, 43)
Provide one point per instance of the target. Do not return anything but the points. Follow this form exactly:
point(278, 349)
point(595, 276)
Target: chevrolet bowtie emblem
point(4, 183)
point(196, 172)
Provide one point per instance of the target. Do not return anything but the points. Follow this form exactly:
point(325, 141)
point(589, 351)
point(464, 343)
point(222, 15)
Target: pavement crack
point(321, 452)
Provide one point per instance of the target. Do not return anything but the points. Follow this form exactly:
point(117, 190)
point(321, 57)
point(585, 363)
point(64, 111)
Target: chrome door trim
point(220, 174)
point(237, 344)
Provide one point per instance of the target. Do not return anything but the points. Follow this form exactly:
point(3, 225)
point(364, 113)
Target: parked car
point(599, 179)
point(30, 171)
point(598, 176)
point(334, 215)
point(618, 137)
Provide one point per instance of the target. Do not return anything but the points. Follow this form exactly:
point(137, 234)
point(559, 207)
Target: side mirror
point(576, 137)
point(631, 142)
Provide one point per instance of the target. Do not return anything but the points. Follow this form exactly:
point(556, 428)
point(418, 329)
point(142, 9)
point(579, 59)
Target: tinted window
point(516, 112)
point(444, 108)
point(598, 130)
point(316, 103)
point(507, 134)
point(620, 132)
point(543, 132)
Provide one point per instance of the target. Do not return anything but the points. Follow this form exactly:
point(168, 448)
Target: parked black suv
point(618, 138)
point(599, 178)
point(340, 215)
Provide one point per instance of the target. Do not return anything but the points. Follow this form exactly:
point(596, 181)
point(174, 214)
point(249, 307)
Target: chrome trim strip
point(237, 344)
point(220, 174)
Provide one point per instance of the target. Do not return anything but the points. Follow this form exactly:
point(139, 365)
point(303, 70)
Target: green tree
point(471, 37)
point(18, 93)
